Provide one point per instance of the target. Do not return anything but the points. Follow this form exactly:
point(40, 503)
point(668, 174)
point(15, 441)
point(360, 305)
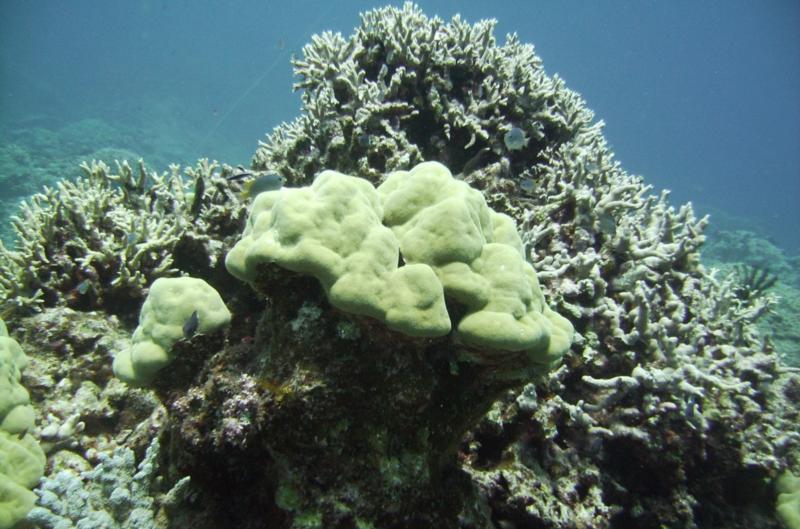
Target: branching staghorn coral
point(405, 89)
point(100, 240)
point(666, 347)
point(626, 263)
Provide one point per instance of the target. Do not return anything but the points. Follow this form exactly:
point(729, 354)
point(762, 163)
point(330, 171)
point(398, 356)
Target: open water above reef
point(700, 99)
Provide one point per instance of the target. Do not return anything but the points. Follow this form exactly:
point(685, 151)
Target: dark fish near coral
point(191, 324)
point(364, 141)
point(474, 163)
point(199, 192)
point(240, 174)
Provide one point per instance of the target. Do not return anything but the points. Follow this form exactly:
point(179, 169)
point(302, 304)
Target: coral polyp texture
point(530, 341)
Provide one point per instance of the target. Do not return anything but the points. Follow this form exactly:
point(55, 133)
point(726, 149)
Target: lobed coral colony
point(459, 311)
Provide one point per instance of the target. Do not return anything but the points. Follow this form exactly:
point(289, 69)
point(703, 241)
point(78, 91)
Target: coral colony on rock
point(532, 342)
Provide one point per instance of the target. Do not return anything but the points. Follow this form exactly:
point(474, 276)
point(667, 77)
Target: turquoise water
point(700, 99)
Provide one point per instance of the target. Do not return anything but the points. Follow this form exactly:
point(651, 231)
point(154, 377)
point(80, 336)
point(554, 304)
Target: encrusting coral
point(669, 409)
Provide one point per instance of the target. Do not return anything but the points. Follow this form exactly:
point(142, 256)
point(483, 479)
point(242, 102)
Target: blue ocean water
point(700, 98)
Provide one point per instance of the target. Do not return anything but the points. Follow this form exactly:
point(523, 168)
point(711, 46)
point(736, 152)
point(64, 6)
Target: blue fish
point(515, 139)
point(191, 324)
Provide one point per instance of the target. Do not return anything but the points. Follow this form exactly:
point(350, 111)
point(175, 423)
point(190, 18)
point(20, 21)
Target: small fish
point(199, 191)
point(364, 141)
point(262, 183)
point(607, 224)
point(242, 173)
point(191, 324)
point(83, 287)
point(527, 185)
point(515, 139)
point(131, 238)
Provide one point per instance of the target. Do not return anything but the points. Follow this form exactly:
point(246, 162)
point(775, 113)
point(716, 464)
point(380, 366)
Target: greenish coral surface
point(788, 506)
point(477, 255)
point(332, 230)
point(350, 236)
point(169, 304)
point(16, 414)
point(21, 459)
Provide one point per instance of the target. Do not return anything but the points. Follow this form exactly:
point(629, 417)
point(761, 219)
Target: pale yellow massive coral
point(21, 459)
point(332, 230)
point(175, 308)
point(452, 245)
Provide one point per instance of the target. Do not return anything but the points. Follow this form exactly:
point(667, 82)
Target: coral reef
point(41, 150)
point(406, 89)
point(734, 252)
point(21, 458)
point(351, 237)
point(670, 409)
point(100, 241)
point(114, 494)
point(91, 425)
point(361, 427)
point(668, 372)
